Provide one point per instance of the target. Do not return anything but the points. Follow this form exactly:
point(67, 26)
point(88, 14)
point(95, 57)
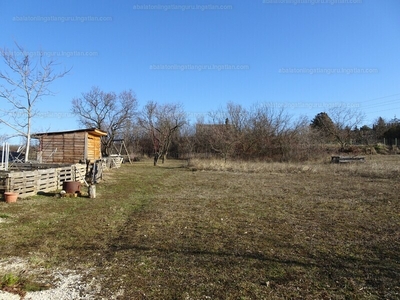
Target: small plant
point(15, 284)
point(4, 216)
point(12, 283)
point(10, 279)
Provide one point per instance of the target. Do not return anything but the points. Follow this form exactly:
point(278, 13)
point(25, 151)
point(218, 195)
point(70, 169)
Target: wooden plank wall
point(63, 148)
point(29, 183)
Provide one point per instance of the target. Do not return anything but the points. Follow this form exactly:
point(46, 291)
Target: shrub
point(381, 148)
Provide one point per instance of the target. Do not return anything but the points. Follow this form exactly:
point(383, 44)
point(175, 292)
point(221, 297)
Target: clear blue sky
point(203, 54)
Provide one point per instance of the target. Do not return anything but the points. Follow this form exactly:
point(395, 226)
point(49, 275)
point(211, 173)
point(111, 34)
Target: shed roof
point(93, 131)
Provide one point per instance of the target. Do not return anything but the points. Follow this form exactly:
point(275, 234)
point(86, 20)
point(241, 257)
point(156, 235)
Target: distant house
point(70, 146)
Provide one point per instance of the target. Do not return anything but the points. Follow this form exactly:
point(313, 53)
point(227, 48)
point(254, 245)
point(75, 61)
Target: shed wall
point(63, 148)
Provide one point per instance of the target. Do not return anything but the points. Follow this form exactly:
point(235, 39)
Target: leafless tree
point(268, 130)
point(339, 125)
point(162, 122)
point(220, 137)
point(261, 131)
point(24, 83)
point(106, 111)
point(187, 141)
point(226, 130)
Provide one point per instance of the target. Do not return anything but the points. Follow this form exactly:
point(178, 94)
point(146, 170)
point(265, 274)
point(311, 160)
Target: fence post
point(8, 184)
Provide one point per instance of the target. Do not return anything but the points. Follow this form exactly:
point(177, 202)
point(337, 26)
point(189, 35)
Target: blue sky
point(305, 55)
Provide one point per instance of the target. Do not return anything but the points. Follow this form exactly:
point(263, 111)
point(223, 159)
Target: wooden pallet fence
point(29, 183)
point(34, 166)
point(65, 174)
point(79, 172)
point(24, 183)
point(48, 180)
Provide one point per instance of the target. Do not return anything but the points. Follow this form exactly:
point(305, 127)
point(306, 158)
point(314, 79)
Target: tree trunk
point(155, 158)
point(28, 138)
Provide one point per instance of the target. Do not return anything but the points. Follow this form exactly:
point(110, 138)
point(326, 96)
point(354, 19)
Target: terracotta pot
point(10, 197)
point(72, 187)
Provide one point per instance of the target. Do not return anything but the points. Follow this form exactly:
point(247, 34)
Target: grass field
point(222, 231)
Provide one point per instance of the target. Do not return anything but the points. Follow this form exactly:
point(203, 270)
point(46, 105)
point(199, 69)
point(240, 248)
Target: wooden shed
point(70, 146)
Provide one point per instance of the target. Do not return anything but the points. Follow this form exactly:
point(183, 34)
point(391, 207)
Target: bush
point(381, 149)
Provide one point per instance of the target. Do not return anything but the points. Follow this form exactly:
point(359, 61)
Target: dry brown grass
point(375, 166)
point(224, 231)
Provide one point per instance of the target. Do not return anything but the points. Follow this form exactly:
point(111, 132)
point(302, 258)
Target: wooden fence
point(28, 179)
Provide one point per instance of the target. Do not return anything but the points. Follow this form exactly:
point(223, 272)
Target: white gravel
point(69, 287)
point(68, 284)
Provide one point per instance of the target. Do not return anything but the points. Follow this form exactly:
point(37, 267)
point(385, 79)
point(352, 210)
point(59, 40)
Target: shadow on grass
point(193, 252)
point(48, 194)
point(343, 273)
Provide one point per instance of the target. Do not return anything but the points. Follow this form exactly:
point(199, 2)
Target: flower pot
point(72, 187)
point(10, 197)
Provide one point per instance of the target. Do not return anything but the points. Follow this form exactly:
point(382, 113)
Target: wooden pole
point(129, 156)
point(92, 191)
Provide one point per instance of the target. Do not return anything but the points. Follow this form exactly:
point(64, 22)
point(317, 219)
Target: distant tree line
point(233, 132)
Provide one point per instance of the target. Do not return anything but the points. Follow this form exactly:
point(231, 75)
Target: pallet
point(347, 159)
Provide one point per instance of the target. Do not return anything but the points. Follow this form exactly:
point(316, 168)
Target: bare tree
point(106, 111)
point(187, 141)
point(268, 130)
point(25, 83)
point(220, 137)
point(339, 125)
point(162, 122)
point(225, 132)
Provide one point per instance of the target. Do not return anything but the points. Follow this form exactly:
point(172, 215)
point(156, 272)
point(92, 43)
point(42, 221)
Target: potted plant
point(11, 196)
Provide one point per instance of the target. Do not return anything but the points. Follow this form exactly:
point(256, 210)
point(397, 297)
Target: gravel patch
point(66, 284)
